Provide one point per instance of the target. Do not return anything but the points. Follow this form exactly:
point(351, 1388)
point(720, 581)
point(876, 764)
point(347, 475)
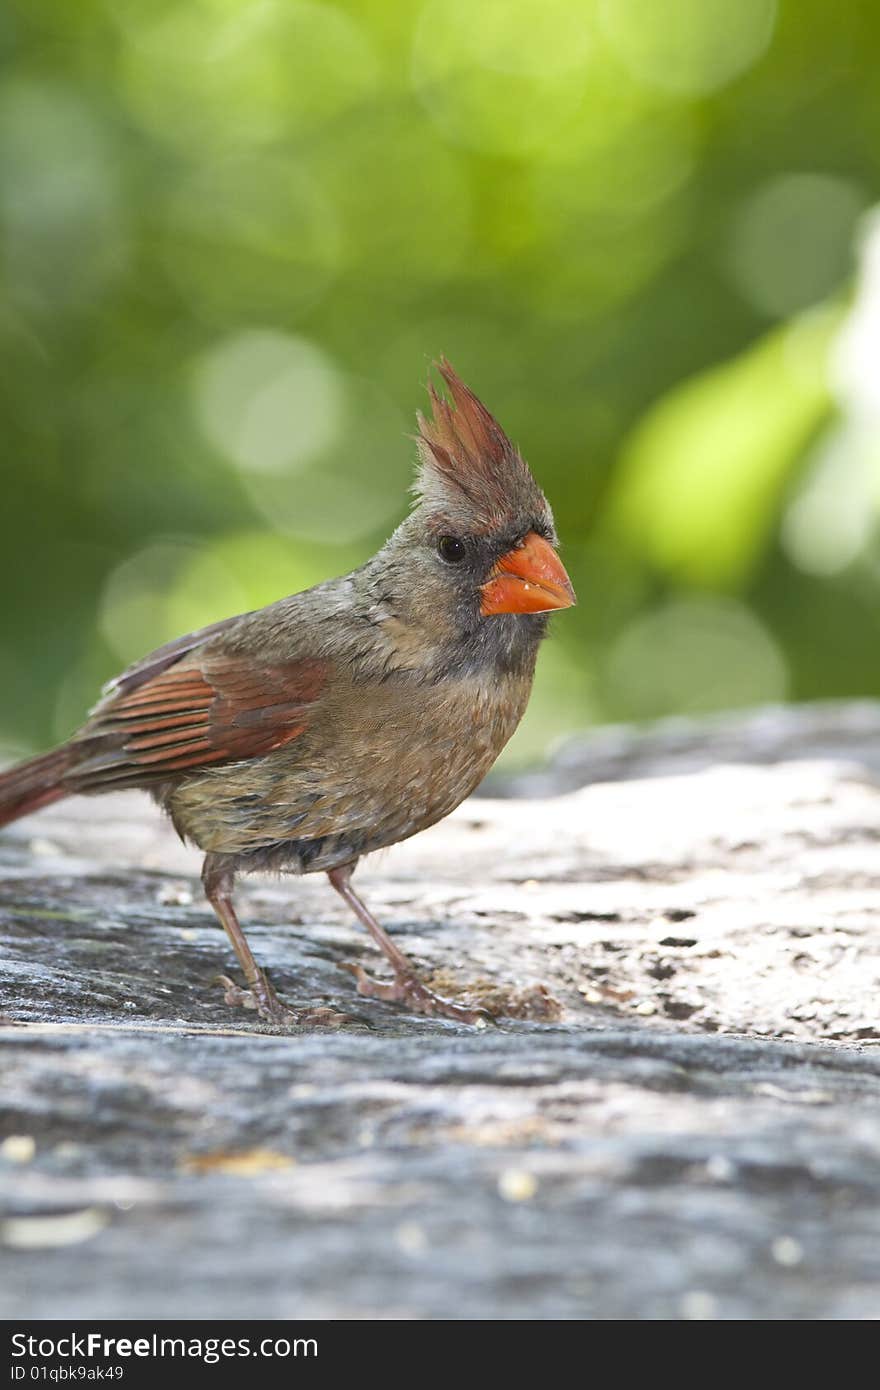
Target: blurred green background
point(233, 233)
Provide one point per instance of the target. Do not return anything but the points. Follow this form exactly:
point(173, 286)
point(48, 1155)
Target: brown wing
point(210, 707)
point(159, 660)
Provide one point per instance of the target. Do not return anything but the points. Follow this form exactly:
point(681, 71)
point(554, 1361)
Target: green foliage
point(233, 233)
point(701, 479)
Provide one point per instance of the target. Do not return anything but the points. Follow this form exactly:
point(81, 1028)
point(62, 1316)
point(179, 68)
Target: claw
point(409, 990)
point(269, 1007)
point(234, 995)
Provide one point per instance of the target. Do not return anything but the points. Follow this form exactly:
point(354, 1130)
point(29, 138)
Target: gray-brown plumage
point(342, 719)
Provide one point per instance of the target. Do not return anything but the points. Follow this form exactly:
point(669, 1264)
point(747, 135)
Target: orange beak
point(528, 579)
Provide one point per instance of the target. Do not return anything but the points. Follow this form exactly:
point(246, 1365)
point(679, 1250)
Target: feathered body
point(342, 719)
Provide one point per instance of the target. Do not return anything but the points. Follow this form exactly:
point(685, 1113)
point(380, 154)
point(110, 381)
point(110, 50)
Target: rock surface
point(682, 1119)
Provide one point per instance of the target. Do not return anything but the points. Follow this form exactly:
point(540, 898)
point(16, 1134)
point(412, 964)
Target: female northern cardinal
point(348, 717)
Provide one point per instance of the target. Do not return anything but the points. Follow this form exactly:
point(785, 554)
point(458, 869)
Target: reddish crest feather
point(470, 471)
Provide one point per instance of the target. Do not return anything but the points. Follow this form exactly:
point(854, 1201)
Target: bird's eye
point(451, 549)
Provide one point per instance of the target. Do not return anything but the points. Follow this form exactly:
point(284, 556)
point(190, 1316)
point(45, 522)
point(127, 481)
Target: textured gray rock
point(695, 1134)
point(831, 729)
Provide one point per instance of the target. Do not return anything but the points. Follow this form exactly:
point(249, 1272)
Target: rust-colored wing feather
point(210, 707)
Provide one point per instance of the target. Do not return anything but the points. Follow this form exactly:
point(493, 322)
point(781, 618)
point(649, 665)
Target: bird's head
point(482, 528)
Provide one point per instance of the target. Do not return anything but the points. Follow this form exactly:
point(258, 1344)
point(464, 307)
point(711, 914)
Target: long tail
point(34, 783)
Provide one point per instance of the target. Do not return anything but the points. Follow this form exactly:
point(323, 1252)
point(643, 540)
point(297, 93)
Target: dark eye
point(451, 549)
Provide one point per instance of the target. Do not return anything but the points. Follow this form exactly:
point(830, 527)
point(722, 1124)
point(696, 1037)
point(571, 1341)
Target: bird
point(340, 720)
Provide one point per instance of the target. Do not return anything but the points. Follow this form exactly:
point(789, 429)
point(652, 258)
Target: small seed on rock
point(516, 1185)
point(787, 1251)
point(410, 1237)
point(699, 1306)
point(18, 1148)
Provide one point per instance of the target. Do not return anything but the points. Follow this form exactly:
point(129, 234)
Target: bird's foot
point(409, 990)
point(262, 997)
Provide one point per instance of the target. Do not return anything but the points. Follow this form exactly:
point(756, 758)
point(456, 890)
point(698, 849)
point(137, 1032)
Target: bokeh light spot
point(132, 617)
point(692, 656)
point(238, 572)
point(268, 401)
point(355, 486)
point(855, 373)
point(503, 76)
point(832, 521)
point(534, 37)
point(688, 46)
point(584, 205)
point(61, 220)
point(833, 515)
point(180, 585)
point(401, 197)
point(703, 475)
point(253, 235)
point(790, 243)
point(213, 76)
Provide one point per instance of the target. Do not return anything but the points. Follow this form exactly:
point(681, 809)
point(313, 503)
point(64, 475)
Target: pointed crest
point(469, 469)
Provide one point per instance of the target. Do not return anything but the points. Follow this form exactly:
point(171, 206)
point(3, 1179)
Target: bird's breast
point(380, 761)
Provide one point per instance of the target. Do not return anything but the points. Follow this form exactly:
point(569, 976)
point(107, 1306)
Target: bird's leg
point(406, 987)
point(218, 884)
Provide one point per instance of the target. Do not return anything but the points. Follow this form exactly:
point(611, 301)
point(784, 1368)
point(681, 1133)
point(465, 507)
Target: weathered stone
point(698, 1135)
